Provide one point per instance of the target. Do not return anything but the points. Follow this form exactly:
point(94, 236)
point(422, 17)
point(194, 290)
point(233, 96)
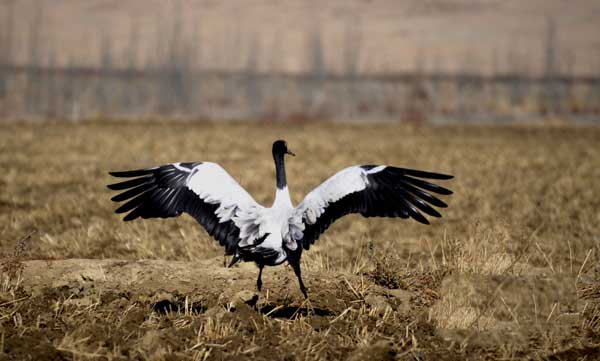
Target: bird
point(270, 236)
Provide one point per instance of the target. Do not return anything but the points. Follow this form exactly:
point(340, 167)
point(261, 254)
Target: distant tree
point(316, 71)
point(315, 51)
point(518, 72)
point(103, 91)
point(6, 44)
point(131, 52)
point(351, 55)
point(551, 91)
point(550, 49)
point(175, 67)
point(251, 86)
point(35, 51)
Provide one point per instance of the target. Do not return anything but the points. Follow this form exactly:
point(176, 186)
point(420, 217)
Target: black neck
point(280, 171)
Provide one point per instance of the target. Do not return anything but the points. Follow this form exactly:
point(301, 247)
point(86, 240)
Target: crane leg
point(259, 280)
point(296, 267)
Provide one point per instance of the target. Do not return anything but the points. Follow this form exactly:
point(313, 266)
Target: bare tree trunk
point(313, 89)
point(33, 78)
point(6, 46)
point(551, 93)
point(351, 60)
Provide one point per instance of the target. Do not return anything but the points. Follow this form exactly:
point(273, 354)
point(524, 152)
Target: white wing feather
point(214, 185)
point(347, 181)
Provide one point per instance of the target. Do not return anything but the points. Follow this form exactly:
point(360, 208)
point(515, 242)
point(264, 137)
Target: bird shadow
point(291, 312)
point(164, 307)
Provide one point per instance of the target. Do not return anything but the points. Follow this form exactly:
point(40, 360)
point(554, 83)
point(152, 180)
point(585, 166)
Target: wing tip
point(445, 191)
point(117, 173)
point(422, 173)
point(129, 217)
point(132, 173)
point(423, 220)
point(113, 186)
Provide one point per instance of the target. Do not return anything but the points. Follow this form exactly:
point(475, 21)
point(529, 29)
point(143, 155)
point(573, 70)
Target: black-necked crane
point(271, 236)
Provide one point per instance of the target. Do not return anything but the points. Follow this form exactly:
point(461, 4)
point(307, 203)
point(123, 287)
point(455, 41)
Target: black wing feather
point(133, 173)
point(129, 184)
point(419, 173)
point(132, 192)
point(422, 194)
point(426, 185)
point(161, 192)
point(392, 192)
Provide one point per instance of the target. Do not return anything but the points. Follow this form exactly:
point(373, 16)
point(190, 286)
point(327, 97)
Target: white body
point(281, 221)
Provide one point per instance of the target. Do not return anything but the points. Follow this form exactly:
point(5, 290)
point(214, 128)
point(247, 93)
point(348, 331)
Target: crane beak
point(291, 153)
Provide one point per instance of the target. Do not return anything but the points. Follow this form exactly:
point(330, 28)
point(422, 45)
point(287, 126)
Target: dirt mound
point(86, 308)
point(205, 282)
point(161, 310)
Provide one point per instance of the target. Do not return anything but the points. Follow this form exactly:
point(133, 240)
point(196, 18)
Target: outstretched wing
point(372, 191)
point(203, 189)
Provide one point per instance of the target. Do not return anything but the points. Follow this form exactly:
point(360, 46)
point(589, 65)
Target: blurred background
point(340, 60)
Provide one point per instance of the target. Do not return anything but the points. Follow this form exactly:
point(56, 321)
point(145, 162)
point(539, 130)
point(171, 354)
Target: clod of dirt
point(386, 273)
point(81, 302)
point(401, 300)
point(377, 302)
point(379, 351)
point(163, 296)
point(243, 297)
point(150, 340)
point(216, 312)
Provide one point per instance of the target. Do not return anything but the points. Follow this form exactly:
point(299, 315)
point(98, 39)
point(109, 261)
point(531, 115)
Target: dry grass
point(510, 272)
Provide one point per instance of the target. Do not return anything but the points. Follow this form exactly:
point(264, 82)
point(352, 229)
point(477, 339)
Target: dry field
point(510, 272)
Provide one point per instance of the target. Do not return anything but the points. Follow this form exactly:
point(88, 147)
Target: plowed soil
point(509, 272)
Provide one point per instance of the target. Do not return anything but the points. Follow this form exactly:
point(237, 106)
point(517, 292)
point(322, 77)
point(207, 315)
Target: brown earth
point(510, 271)
point(95, 308)
point(155, 309)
